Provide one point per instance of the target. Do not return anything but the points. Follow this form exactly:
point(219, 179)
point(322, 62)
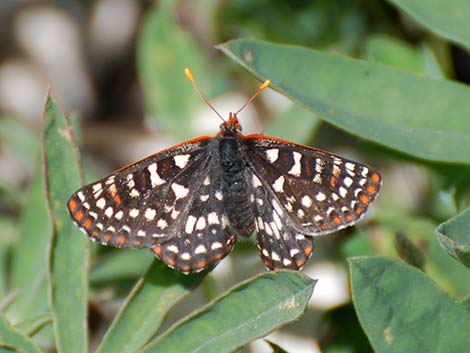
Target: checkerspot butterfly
point(189, 203)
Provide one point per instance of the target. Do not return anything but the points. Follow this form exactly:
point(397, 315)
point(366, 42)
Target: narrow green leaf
point(402, 310)
point(122, 264)
point(407, 251)
point(275, 348)
point(146, 308)
point(242, 314)
point(29, 262)
point(388, 106)
point(14, 340)
point(69, 253)
point(449, 19)
point(454, 237)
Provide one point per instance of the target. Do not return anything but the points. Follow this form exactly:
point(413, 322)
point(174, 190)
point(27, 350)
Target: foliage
point(394, 103)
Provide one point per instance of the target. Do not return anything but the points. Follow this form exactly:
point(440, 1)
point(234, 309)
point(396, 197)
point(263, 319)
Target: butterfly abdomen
point(235, 190)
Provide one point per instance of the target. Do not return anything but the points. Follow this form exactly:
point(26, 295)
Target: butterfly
point(190, 202)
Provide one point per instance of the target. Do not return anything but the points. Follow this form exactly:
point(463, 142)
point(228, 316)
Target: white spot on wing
point(190, 224)
point(201, 223)
point(278, 184)
point(348, 181)
point(154, 177)
point(180, 191)
point(109, 212)
point(256, 181)
point(134, 213)
point(272, 154)
point(150, 214)
point(200, 249)
point(119, 215)
point(101, 203)
point(216, 245)
point(162, 224)
point(320, 197)
point(181, 161)
point(212, 218)
point(296, 168)
point(306, 201)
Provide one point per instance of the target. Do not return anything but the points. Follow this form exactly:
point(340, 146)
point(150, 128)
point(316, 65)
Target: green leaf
point(121, 264)
point(454, 237)
point(402, 310)
point(449, 19)
point(392, 52)
point(13, 340)
point(164, 50)
point(388, 106)
point(69, 253)
point(146, 307)
point(245, 312)
point(29, 262)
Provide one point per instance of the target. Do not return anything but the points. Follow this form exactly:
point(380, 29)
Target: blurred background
point(116, 67)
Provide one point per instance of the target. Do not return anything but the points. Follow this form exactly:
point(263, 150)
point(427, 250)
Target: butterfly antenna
point(258, 91)
point(190, 77)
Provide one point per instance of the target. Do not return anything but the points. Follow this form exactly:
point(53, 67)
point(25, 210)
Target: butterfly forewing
point(138, 206)
point(307, 191)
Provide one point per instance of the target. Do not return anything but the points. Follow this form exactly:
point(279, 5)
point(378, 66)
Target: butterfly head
point(231, 125)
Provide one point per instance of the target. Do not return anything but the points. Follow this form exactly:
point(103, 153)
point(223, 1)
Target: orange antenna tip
point(189, 74)
point(265, 84)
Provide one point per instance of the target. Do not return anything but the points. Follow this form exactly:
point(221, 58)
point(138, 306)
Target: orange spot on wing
point(337, 220)
point(185, 268)
point(72, 205)
point(308, 250)
point(359, 210)
point(349, 217)
point(87, 224)
point(201, 264)
point(299, 263)
point(107, 237)
point(375, 178)
point(333, 181)
point(95, 234)
point(117, 199)
point(170, 261)
point(364, 199)
point(324, 226)
point(121, 239)
point(157, 250)
point(371, 189)
point(218, 256)
point(78, 216)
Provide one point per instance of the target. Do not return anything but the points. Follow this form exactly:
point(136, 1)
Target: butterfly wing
point(307, 192)
point(138, 205)
point(205, 236)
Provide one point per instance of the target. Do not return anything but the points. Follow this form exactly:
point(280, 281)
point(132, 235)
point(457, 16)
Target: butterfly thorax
point(235, 190)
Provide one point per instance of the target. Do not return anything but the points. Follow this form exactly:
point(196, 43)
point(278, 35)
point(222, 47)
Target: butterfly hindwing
point(203, 237)
point(280, 244)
